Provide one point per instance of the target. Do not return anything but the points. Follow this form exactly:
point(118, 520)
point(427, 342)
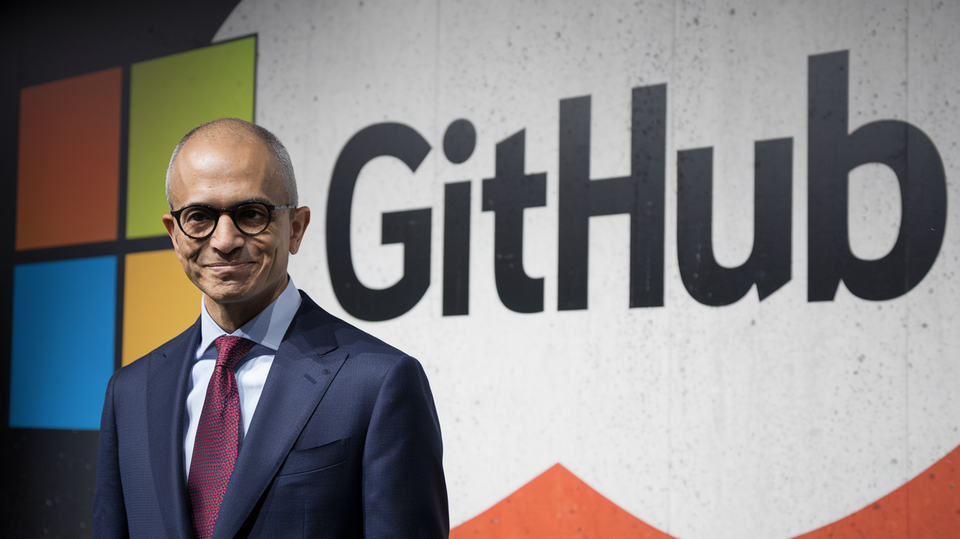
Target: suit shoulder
point(359, 344)
point(315, 320)
point(359, 341)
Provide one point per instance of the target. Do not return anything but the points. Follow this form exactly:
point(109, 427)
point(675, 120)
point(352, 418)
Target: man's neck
point(229, 318)
point(232, 316)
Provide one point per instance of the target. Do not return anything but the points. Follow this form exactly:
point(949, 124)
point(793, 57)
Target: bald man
point(268, 417)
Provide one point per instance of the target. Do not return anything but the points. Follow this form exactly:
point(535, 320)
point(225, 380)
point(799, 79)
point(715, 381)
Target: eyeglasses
point(251, 218)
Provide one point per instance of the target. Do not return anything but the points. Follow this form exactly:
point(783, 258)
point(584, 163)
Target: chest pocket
point(315, 458)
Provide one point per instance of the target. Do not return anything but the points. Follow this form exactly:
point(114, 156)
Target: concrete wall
point(757, 418)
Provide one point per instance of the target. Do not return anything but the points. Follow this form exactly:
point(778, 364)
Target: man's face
point(237, 273)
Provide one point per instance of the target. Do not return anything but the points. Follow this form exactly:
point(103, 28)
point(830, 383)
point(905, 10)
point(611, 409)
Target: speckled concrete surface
point(754, 420)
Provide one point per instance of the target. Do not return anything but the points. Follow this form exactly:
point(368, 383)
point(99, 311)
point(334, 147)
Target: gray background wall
point(757, 419)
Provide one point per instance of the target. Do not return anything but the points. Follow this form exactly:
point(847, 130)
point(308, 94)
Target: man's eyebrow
point(258, 200)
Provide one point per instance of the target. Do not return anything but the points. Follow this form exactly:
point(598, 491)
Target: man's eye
point(251, 213)
point(196, 216)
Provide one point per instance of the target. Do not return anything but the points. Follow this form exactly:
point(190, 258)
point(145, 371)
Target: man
point(268, 417)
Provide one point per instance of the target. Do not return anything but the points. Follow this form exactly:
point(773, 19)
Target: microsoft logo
point(96, 284)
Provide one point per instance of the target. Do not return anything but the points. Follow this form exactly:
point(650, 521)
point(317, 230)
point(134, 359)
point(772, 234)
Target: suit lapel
point(166, 398)
point(305, 364)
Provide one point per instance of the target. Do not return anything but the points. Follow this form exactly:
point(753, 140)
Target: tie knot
point(231, 350)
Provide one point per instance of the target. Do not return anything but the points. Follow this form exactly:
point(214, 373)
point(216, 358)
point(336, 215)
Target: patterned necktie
point(218, 437)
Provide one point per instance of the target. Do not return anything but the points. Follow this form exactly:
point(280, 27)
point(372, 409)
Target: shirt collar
point(266, 329)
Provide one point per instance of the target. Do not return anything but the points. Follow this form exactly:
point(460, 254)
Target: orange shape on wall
point(159, 302)
point(927, 507)
point(69, 161)
point(559, 505)
point(556, 505)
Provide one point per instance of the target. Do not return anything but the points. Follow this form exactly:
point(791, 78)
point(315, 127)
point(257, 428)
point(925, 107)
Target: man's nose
point(226, 237)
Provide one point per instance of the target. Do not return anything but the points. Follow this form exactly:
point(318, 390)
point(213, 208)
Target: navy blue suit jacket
point(345, 443)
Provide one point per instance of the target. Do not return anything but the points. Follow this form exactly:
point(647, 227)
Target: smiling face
point(239, 275)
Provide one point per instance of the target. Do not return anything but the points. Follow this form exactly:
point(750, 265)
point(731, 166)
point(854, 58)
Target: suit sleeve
point(404, 491)
point(109, 513)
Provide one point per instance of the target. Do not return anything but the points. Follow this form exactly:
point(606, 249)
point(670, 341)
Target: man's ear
point(169, 223)
point(301, 218)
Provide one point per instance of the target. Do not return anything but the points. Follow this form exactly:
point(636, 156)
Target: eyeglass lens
point(199, 222)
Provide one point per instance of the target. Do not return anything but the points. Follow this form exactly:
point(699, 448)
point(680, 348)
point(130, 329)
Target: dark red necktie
point(218, 437)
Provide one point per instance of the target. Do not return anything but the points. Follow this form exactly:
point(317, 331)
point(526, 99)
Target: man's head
point(219, 166)
point(284, 165)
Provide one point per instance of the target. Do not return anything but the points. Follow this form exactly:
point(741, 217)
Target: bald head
point(242, 130)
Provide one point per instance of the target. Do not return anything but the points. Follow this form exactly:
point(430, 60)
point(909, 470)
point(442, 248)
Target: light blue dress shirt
point(267, 330)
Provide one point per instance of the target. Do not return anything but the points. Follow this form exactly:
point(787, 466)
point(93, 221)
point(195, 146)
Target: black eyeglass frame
point(232, 211)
